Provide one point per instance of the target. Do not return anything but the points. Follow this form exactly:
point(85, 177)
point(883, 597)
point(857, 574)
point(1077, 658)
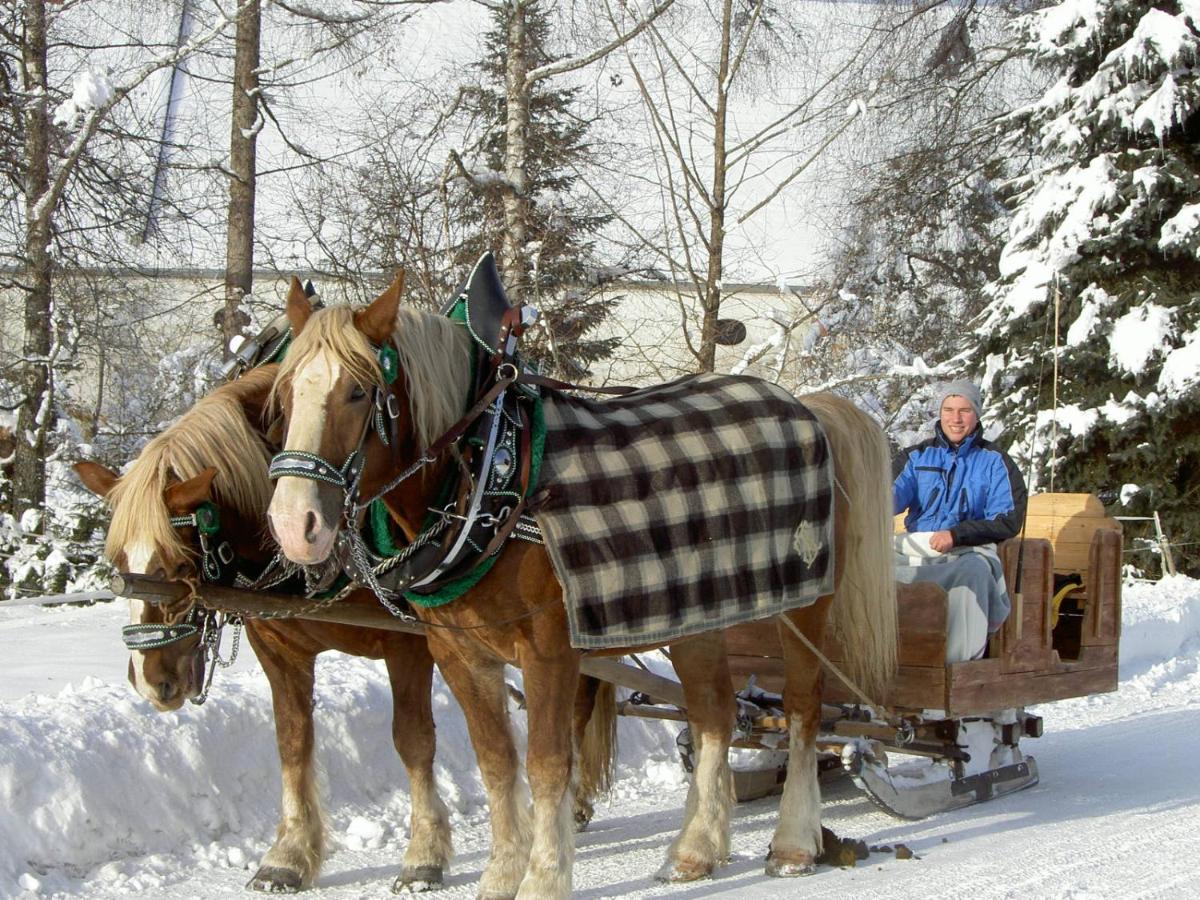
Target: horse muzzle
point(304, 535)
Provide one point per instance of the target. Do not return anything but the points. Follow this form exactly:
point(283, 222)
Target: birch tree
point(53, 162)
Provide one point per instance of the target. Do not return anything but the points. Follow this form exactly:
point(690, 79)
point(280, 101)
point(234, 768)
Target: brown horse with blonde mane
point(515, 614)
point(216, 452)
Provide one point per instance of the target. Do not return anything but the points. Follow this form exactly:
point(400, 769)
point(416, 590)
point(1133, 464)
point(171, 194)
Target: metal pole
point(1168, 561)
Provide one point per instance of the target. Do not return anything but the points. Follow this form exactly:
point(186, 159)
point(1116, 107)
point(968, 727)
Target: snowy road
point(102, 799)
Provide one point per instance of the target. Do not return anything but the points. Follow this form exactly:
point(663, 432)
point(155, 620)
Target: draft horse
point(514, 614)
point(216, 453)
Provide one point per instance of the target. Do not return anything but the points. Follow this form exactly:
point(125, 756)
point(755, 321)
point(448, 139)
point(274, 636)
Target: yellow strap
point(1057, 602)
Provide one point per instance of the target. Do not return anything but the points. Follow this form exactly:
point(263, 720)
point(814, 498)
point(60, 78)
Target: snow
point(103, 798)
point(1139, 335)
point(92, 91)
point(1181, 368)
point(1181, 227)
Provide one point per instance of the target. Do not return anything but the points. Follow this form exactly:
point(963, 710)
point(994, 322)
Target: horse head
point(169, 674)
point(196, 488)
point(362, 393)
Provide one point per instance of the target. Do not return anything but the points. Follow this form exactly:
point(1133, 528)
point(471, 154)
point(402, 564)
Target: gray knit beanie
point(961, 388)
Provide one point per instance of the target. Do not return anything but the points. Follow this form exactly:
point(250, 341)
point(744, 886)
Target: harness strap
point(554, 383)
point(153, 637)
point(301, 464)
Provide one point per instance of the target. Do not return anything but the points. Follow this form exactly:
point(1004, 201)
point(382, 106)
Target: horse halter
point(385, 412)
point(216, 566)
point(206, 519)
point(155, 637)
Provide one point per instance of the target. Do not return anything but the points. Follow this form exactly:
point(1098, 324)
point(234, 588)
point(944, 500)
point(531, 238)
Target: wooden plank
point(1071, 559)
point(922, 632)
point(913, 687)
point(970, 694)
point(1077, 530)
point(1102, 613)
point(1066, 505)
point(255, 604)
point(632, 677)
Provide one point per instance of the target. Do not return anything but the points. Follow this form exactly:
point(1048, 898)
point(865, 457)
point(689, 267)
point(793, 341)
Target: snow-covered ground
point(101, 797)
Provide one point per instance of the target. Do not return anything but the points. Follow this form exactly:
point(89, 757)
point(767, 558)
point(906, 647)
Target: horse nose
point(166, 691)
point(312, 526)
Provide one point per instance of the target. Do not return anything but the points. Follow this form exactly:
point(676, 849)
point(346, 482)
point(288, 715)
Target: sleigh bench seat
point(1040, 654)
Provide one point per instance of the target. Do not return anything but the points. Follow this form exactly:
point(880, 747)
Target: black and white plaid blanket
point(684, 507)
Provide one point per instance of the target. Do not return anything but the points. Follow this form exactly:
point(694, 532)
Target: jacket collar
point(967, 442)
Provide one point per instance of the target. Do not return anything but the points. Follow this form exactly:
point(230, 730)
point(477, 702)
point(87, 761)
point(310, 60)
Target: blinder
point(206, 519)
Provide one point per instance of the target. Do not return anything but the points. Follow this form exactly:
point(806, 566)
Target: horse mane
point(215, 432)
point(435, 358)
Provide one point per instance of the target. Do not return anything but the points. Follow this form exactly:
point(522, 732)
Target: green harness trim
point(384, 545)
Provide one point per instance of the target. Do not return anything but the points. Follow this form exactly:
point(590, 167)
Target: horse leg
point(410, 670)
point(478, 684)
point(595, 743)
point(797, 840)
point(295, 858)
point(703, 843)
point(551, 684)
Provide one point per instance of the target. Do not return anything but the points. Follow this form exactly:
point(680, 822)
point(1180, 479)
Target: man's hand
point(941, 541)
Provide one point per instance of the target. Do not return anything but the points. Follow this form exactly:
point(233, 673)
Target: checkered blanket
point(685, 507)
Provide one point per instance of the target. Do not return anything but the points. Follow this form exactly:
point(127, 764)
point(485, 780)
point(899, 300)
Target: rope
point(877, 710)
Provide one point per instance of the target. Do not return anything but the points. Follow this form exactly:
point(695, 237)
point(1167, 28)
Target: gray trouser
point(974, 587)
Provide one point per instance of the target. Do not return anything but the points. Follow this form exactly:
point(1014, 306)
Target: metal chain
point(211, 648)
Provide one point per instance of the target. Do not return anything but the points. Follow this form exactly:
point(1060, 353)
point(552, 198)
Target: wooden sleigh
point(1060, 641)
point(943, 735)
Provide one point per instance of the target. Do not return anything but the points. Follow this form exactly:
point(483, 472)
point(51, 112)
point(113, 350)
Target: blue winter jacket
point(974, 491)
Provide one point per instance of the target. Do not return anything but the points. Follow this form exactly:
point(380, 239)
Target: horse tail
point(598, 748)
point(864, 606)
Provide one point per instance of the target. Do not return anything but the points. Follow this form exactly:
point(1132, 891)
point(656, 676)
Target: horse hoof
point(582, 821)
point(417, 880)
point(791, 868)
point(273, 880)
point(681, 873)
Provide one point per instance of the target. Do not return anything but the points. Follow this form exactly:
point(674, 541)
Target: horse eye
point(358, 393)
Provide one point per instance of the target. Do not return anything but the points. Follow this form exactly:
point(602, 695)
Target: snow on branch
point(109, 96)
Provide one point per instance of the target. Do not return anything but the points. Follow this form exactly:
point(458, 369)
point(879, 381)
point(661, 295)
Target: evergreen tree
point(557, 260)
point(1101, 267)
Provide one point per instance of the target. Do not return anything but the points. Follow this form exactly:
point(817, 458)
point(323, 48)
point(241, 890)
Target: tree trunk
point(516, 199)
point(711, 294)
point(35, 415)
point(243, 138)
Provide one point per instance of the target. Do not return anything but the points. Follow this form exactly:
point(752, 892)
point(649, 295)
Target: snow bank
point(1160, 622)
point(94, 775)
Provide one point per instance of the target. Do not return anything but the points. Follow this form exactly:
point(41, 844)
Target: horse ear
point(298, 306)
point(378, 321)
point(274, 434)
point(187, 495)
point(97, 479)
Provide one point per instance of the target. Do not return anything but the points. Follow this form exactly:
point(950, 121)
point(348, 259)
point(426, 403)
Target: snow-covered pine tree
point(1106, 233)
point(560, 224)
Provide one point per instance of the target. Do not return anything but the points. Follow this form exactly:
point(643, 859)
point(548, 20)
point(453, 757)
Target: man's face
point(958, 418)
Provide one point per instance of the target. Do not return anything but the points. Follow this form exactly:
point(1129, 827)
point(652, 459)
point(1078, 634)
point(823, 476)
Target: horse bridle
point(217, 567)
point(348, 476)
